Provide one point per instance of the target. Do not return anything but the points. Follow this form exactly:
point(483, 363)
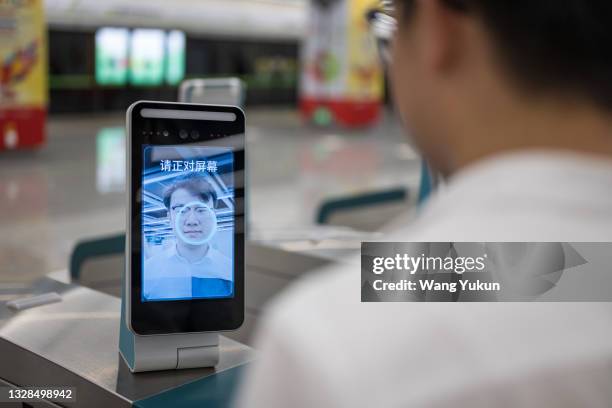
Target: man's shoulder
point(167, 252)
point(216, 253)
point(324, 318)
point(161, 257)
point(219, 257)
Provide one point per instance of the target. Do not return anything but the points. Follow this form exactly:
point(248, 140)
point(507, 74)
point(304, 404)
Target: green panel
point(111, 56)
point(175, 57)
point(359, 201)
point(147, 47)
point(85, 250)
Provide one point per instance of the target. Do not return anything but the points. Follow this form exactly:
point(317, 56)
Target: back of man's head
point(552, 50)
point(552, 43)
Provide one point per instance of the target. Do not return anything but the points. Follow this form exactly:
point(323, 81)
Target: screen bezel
point(191, 315)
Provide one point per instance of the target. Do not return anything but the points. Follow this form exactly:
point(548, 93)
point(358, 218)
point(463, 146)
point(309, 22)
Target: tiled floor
point(72, 188)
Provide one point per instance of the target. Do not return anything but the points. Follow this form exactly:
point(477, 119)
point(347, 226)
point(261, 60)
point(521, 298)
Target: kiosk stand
point(168, 351)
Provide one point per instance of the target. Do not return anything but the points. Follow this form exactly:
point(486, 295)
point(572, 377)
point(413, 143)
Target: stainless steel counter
point(75, 343)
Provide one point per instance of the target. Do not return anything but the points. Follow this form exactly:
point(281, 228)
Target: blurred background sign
point(110, 160)
point(146, 57)
point(112, 46)
point(175, 57)
point(106, 54)
point(342, 80)
point(23, 73)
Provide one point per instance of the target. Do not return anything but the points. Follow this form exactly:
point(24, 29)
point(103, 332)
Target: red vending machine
point(23, 74)
point(342, 79)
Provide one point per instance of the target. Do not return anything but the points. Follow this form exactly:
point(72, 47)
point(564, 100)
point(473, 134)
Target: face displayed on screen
point(192, 217)
point(188, 210)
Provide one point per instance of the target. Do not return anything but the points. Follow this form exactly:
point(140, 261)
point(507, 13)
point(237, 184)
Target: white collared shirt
point(168, 275)
point(321, 347)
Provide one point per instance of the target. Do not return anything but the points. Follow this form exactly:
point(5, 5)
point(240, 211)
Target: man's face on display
point(192, 218)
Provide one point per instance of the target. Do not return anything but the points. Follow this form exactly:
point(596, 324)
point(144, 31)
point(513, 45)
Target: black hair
point(549, 44)
point(196, 185)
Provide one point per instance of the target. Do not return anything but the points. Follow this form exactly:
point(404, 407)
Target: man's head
point(476, 77)
point(190, 203)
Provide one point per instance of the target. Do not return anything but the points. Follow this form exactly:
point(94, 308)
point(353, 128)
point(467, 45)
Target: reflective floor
point(73, 188)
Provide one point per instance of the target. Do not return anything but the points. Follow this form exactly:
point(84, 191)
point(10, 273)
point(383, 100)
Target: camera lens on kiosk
point(165, 133)
point(195, 134)
point(183, 134)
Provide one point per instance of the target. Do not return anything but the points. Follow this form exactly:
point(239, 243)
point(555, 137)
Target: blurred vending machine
point(342, 79)
point(23, 74)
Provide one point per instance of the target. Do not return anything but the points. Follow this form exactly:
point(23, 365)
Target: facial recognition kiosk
point(184, 275)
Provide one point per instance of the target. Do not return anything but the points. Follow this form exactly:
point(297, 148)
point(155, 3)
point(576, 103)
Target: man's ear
point(443, 34)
